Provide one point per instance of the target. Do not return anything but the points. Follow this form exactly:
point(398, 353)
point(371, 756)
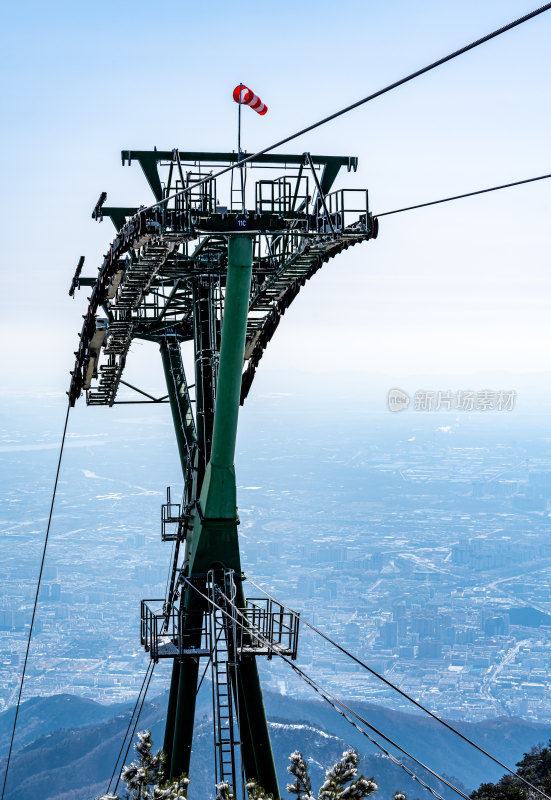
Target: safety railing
point(176, 518)
point(173, 634)
point(280, 196)
point(197, 203)
point(268, 629)
point(341, 211)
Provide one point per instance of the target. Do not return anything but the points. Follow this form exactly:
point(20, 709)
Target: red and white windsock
point(245, 96)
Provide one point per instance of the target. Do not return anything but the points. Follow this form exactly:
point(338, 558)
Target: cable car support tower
point(188, 269)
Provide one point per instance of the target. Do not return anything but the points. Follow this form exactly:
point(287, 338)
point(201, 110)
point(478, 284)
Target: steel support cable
point(135, 724)
point(38, 583)
point(128, 727)
point(358, 103)
point(461, 196)
point(327, 698)
point(400, 691)
point(332, 700)
point(207, 664)
point(335, 701)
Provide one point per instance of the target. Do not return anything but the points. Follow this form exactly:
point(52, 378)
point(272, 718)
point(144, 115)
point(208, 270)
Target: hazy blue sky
point(458, 290)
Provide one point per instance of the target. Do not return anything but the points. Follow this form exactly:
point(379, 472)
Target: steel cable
point(128, 727)
point(38, 583)
point(328, 697)
point(358, 103)
point(397, 689)
point(135, 724)
point(461, 196)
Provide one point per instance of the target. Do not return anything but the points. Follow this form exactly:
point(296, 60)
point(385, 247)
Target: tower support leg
point(256, 747)
point(184, 427)
point(171, 716)
point(185, 716)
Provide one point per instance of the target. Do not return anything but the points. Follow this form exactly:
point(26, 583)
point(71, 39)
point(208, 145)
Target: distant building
point(429, 648)
point(389, 635)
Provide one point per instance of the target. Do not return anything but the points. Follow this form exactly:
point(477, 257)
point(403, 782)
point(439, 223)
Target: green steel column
point(214, 538)
point(214, 535)
point(171, 717)
point(185, 715)
point(232, 350)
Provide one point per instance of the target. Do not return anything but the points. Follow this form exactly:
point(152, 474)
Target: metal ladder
point(238, 179)
point(223, 671)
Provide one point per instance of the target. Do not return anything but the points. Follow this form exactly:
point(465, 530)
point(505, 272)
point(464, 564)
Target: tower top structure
point(143, 285)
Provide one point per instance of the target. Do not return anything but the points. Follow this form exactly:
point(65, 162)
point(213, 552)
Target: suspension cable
point(239, 163)
point(334, 701)
point(361, 719)
point(329, 699)
point(326, 695)
point(461, 196)
point(208, 662)
point(152, 664)
point(128, 727)
point(38, 583)
point(393, 686)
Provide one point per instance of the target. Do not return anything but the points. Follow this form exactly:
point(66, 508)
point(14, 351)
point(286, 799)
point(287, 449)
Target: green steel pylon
point(214, 543)
point(173, 271)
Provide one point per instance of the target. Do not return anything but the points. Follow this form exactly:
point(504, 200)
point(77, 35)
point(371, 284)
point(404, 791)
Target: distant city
point(420, 542)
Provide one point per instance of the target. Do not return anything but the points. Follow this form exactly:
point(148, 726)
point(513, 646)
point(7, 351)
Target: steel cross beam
point(149, 159)
point(213, 542)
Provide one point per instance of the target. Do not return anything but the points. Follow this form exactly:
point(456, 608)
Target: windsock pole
point(239, 121)
point(239, 156)
point(243, 95)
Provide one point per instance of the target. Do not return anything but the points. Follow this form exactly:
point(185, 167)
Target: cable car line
point(129, 726)
point(461, 196)
point(396, 688)
point(38, 583)
point(135, 724)
point(328, 699)
point(488, 37)
point(209, 659)
point(331, 699)
point(360, 718)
